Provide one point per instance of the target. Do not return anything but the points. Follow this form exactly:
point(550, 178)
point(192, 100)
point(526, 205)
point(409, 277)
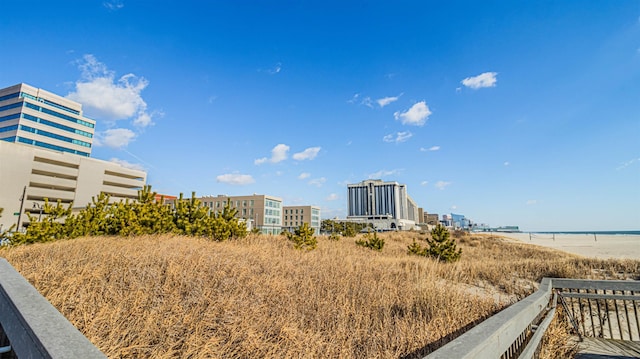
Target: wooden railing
point(30, 327)
point(599, 308)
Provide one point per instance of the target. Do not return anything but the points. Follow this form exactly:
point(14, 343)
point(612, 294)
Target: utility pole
point(24, 195)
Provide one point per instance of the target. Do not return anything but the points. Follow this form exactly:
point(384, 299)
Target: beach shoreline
point(601, 246)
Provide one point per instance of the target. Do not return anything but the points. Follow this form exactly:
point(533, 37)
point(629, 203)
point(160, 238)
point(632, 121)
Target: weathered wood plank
point(598, 348)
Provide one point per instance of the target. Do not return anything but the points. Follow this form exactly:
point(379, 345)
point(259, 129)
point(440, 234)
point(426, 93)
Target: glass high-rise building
point(39, 118)
point(45, 148)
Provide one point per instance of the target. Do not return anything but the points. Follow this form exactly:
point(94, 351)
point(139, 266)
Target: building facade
point(74, 180)
point(39, 118)
point(258, 210)
point(385, 205)
point(45, 148)
point(295, 216)
point(431, 219)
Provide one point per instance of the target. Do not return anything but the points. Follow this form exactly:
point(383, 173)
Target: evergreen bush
point(441, 246)
point(302, 237)
point(372, 241)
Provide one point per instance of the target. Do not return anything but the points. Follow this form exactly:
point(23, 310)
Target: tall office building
point(45, 144)
point(386, 205)
point(39, 118)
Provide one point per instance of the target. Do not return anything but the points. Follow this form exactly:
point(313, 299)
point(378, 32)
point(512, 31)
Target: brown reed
point(171, 296)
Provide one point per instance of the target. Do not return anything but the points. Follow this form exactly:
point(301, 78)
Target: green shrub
point(441, 246)
point(334, 237)
point(415, 248)
point(131, 218)
point(372, 241)
point(302, 237)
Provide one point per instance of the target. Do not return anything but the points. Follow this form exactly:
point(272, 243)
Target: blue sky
point(509, 112)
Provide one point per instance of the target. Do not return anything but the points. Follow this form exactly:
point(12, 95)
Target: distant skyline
point(511, 113)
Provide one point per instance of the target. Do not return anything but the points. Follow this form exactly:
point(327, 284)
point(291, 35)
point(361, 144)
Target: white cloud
point(417, 115)
point(126, 164)
point(308, 154)
point(532, 202)
point(442, 185)
point(304, 175)
point(627, 164)
point(506, 163)
point(278, 154)
point(383, 173)
point(434, 148)
point(382, 102)
point(486, 79)
point(318, 181)
point(454, 207)
point(276, 69)
point(143, 120)
point(235, 179)
point(356, 99)
point(398, 137)
point(115, 137)
point(332, 197)
point(113, 5)
point(104, 97)
point(424, 183)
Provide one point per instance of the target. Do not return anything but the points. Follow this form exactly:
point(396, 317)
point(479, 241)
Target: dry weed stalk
point(170, 296)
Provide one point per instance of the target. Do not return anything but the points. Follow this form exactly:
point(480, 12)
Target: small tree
point(442, 246)
point(372, 241)
point(50, 228)
point(302, 237)
point(415, 248)
point(3, 234)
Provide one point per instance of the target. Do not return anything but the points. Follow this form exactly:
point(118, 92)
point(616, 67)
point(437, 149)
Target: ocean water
point(592, 232)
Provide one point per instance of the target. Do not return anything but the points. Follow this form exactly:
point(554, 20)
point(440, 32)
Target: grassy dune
point(170, 296)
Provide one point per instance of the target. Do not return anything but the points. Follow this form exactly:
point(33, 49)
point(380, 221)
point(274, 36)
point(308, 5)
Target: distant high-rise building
point(386, 205)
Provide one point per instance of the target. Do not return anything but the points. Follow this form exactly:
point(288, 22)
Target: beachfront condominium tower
point(45, 147)
point(386, 205)
point(39, 118)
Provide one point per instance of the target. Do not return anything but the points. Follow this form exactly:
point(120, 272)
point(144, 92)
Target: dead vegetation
point(172, 296)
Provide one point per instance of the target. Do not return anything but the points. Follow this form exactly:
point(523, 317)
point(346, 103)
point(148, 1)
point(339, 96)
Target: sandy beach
point(587, 245)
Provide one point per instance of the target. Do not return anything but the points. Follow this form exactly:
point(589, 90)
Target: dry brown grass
point(169, 296)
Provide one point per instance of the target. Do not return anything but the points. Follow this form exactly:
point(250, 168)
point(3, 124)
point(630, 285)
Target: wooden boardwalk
point(597, 348)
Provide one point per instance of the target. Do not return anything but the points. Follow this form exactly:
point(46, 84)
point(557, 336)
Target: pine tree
point(371, 241)
point(442, 246)
point(303, 237)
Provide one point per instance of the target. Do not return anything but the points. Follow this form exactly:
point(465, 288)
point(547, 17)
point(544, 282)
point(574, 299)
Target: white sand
point(602, 246)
